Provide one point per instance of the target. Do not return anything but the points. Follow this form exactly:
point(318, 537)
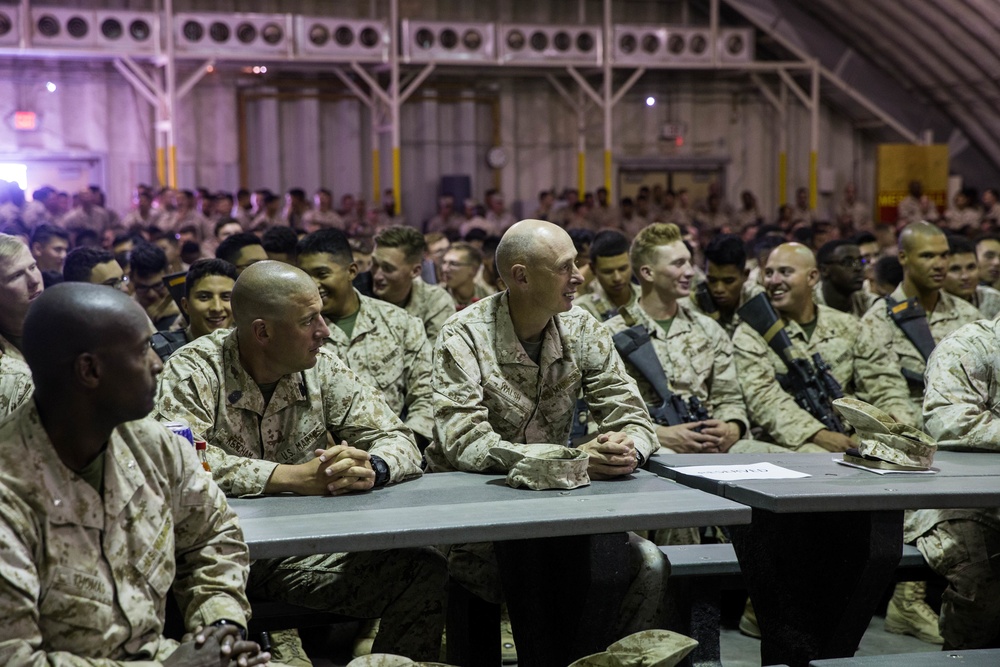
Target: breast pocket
point(75, 599)
point(507, 413)
point(157, 563)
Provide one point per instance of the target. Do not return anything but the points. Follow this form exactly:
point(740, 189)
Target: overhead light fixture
point(49, 86)
point(650, 101)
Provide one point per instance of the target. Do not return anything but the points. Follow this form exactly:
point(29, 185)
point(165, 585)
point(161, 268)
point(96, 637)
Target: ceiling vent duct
point(437, 41)
point(134, 32)
point(10, 26)
point(342, 39)
point(736, 45)
point(236, 35)
point(652, 46)
point(61, 28)
point(563, 45)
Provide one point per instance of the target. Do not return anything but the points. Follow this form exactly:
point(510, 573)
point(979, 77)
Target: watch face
point(496, 157)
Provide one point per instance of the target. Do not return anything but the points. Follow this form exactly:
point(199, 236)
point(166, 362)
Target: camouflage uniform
point(776, 411)
point(83, 574)
point(9, 349)
point(432, 305)
point(861, 300)
point(987, 300)
point(599, 305)
point(15, 383)
point(963, 545)
point(879, 334)
point(489, 393)
point(389, 351)
point(205, 385)
point(750, 289)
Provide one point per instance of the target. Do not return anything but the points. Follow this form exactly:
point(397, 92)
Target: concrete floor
point(737, 650)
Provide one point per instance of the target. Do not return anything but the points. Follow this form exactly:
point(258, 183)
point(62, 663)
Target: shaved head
point(524, 243)
point(266, 289)
point(915, 233)
point(795, 254)
point(71, 319)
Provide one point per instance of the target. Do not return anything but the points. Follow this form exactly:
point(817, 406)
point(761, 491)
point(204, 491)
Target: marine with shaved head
point(507, 372)
point(924, 255)
point(102, 509)
point(789, 278)
point(271, 402)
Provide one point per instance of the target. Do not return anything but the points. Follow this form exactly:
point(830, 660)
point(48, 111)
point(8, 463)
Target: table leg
point(564, 594)
point(815, 579)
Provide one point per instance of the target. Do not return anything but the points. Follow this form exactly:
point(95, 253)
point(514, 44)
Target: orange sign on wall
point(899, 164)
point(25, 120)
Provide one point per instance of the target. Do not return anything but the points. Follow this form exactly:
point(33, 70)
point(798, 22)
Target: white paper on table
point(726, 473)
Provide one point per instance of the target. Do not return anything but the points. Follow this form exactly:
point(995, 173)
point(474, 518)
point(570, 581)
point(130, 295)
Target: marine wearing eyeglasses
point(841, 269)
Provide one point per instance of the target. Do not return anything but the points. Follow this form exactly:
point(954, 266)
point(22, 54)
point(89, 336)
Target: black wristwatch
point(223, 621)
point(381, 469)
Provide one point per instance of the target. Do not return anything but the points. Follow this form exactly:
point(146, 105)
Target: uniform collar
point(242, 392)
point(508, 347)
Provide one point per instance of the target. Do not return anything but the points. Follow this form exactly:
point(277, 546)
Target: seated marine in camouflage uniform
point(268, 398)
point(962, 278)
point(102, 510)
point(20, 284)
point(694, 351)
point(842, 278)
point(507, 372)
point(383, 344)
point(612, 269)
point(790, 276)
point(923, 254)
point(963, 545)
point(727, 280)
point(397, 263)
point(208, 290)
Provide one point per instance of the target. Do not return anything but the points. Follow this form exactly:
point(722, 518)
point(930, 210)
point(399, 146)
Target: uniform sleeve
point(356, 413)
point(419, 397)
point(464, 436)
point(768, 405)
point(212, 559)
point(610, 392)
point(878, 377)
point(724, 392)
point(189, 394)
point(15, 384)
point(961, 396)
point(441, 308)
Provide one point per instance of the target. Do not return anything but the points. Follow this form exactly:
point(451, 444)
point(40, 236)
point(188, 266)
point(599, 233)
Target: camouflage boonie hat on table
point(883, 438)
point(550, 467)
point(649, 648)
point(390, 660)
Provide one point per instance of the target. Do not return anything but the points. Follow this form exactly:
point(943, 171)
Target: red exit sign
point(25, 120)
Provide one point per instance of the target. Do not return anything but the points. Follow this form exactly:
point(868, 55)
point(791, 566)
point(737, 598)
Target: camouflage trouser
point(407, 588)
point(967, 554)
point(475, 567)
point(748, 446)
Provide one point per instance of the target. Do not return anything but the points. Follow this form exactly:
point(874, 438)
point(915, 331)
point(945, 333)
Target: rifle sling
point(911, 319)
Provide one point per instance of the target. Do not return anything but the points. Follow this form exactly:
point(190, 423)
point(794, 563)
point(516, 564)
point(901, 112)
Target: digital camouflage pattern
point(776, 411)
point(597, 303)
point(489, 393)
point(432, 305)
point(83, 574)
point(879, 333)
point(205, 385)
point(960, 412)
point(9, 350)
point(697, 359)
point(987, 300)
point(389, 350)
point(15, 384)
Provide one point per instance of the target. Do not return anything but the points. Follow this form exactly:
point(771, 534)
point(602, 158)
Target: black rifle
point(705, 302)
point(635, 346)
point(810, 382)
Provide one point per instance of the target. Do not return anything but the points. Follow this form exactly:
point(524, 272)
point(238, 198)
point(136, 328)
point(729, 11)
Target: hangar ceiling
point(930, 64)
